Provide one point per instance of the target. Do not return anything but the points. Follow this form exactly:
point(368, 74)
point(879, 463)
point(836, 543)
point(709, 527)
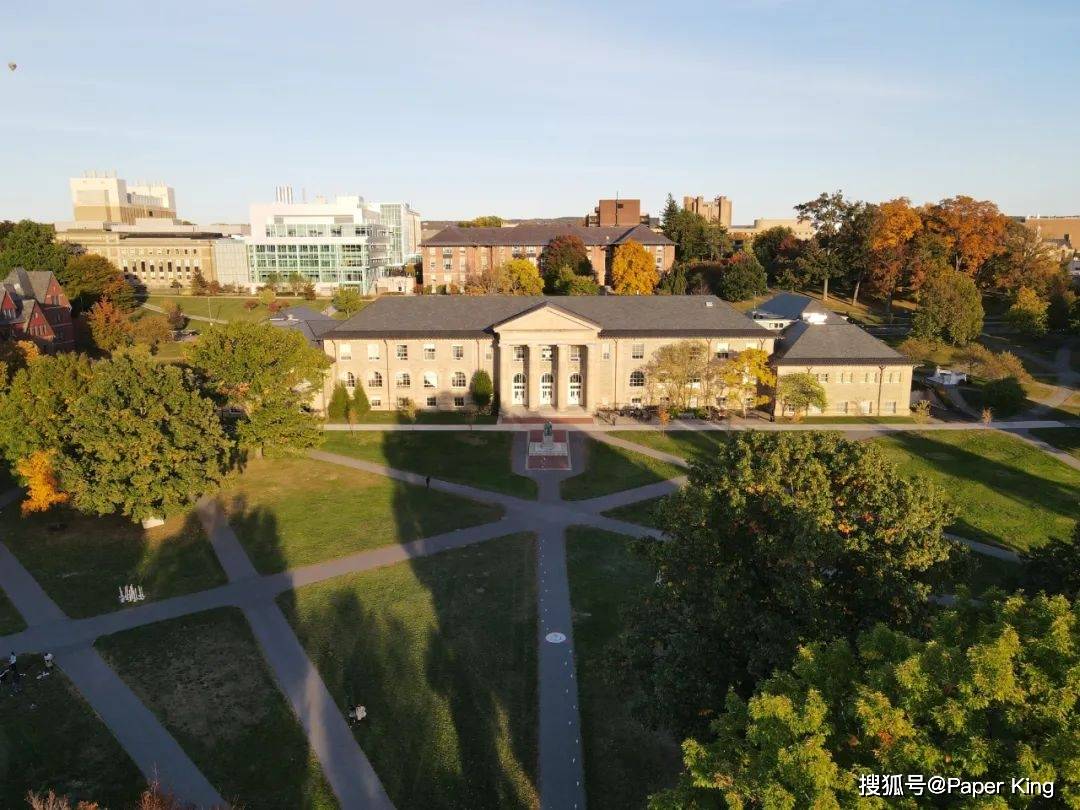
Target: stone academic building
point(574, 355)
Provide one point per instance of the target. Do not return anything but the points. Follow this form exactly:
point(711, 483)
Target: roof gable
point(546, 317)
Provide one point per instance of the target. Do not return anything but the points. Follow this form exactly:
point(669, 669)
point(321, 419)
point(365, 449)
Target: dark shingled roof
point(616, 315)
point(833, 343)
point(537, 234)
point(791, 306)
point(311, 324)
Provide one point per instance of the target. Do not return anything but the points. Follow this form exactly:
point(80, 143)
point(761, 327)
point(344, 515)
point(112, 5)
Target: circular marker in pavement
point(555, 638)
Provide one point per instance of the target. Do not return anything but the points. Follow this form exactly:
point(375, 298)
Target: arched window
point(375, 380)
point(458, 380)
point(350, 380)
point(637, 379)
point(403, 380)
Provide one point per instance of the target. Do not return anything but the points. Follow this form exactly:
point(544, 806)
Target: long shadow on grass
point(1011, 482)
point(441, 652)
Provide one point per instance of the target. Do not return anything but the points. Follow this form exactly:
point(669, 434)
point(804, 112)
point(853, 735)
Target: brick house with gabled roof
point(33, 306)
point(455, 254)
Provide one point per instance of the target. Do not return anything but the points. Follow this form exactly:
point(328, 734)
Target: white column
point(562, 376)
point(590, 392)
point(506, 374)
point(533, 378)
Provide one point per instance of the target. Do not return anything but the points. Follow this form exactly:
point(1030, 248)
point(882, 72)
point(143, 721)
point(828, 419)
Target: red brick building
point(454, 254)
point(33, 306)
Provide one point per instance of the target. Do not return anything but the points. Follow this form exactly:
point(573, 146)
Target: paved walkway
point(345, 766)
point(150, 746)
point(189, 316)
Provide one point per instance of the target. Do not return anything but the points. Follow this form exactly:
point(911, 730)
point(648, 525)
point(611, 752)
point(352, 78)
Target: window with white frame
point(519, 352)
point(344, 351)
point(402, 351)
point(458, 380)
point(459, 402)
point(545, 353)
point(373, 351)
point(375, 402)
point(432, 402)
point(429, 351)
point(375, 380)
point(575, 354)
point(722, 350)
point(402, 380)
point(457, 352)
point(890, 406)
point(637, 379)
point(431, 379)
point(350, 380)
point(637, 351)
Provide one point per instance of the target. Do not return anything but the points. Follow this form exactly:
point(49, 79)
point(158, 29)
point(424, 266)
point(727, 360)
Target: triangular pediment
point(546, 317)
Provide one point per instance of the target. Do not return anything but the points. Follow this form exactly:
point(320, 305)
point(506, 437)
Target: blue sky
point(540, 109)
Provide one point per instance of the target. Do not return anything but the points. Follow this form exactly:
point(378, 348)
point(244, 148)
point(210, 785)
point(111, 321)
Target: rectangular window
point(402, 351)
point(432, 402)
point(459, 402)
point(430, 379)
point(345, 351)
point(605, 351)
point(575, 354)
point(429, 351)
point(457, 352)
point(545, 352)
point(890, 407)
point(403, 402)
point(373, 351)
point(519, 352)
point(375, 402)
point(637, 351)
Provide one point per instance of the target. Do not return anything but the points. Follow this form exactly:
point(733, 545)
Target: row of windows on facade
point(547, 352)
point(140, 251)
point(867, 377)
point(404, 380)
point(374, 350)
point(529, 250)
point(864, 407)
point(403, 402)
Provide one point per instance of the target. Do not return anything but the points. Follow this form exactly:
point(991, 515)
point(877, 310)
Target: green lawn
point(643, 512)
point(684, 443)
point(50, 739)
point(1005, 490)
point(612, 469)
point(426, 418)
point(624, 760)
point(11, 621)
point(1067, 439)
point(297, 511)
point(480, 459)
point(205, 678)
point(81, 560)
point(227, 308)
point(442, 652)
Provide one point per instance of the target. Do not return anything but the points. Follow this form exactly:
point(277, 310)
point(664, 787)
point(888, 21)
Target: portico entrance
point(574, 394)
point(547, 389)
point(518, 397)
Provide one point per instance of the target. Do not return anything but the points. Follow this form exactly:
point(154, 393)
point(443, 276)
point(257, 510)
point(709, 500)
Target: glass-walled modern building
point(332, 244)
point(404, 224)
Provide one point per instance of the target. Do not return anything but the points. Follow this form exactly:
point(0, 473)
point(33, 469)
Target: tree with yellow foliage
point(43, 488)
point(633, 270)
point(745, 375)
point(15, 355)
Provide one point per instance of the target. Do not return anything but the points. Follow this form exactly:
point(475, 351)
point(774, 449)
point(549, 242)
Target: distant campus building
point(455, 255)
point(573, 355)
point(33, 306)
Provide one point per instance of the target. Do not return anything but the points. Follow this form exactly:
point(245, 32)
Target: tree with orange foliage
point(109, 326)
point(43, 488)
point(14, 355)
point(633, 270)
point(974, 230)
point(892, 237)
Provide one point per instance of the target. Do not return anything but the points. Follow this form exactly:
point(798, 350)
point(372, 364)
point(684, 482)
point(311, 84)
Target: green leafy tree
point(481, 389)
point(267, 376)
point(950, 308)
point(144, 441)
point(741, 277)
point(1028, 313)
point(110, 327)
point(823, 258)
point(33, 246)
point(778, 539)
point(35, 408)
point(1054, 567)
point(358, 405)
point(348, 300)
point(487, 221)
point(86, 277)
point(337, 411)
point(633, 270)
point(566, 282)
point(119, 293)
point(990, 693)
point(1005, 396)
point(695, 238)
point(674, 282)
point(768, 247)
point(801, 391)
point(198, 284)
